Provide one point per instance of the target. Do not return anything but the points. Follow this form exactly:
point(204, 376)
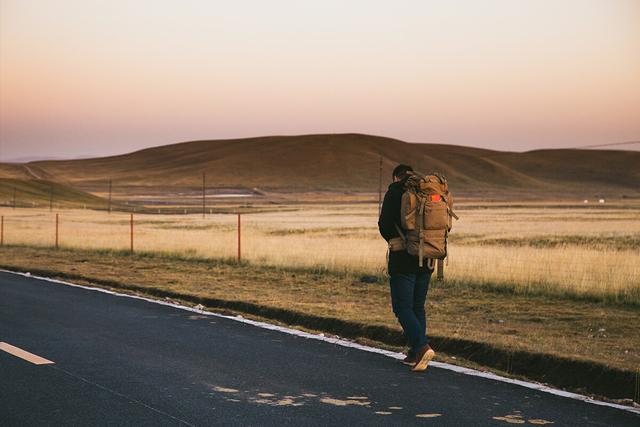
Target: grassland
point(557, 250)
point(550, 278)
point(38, 193)
point(565, 327)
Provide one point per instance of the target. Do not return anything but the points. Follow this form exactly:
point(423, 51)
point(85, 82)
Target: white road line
point(459, 369)
point(23, 354)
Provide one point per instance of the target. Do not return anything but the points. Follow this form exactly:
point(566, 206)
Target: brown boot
point(424, 356)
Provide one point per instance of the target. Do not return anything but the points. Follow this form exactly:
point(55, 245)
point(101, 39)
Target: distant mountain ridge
point(344, 163)
point(28, 159)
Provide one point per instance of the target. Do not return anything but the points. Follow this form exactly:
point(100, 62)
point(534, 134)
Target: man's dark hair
point(401, 170)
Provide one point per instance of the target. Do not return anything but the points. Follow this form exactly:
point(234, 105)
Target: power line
point(608, 145)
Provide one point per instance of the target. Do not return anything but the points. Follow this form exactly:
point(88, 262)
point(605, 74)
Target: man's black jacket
point(399, 261)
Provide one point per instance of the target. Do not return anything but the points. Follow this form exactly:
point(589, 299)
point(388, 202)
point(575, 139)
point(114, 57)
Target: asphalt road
point(122, 361)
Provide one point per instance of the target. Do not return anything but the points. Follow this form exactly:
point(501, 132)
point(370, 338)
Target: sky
point(88, 77)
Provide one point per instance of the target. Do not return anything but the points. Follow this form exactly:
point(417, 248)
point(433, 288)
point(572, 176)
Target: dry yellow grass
point(568, 250)
point(573, 328)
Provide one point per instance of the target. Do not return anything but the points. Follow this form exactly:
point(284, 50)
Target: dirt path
point(31, 173)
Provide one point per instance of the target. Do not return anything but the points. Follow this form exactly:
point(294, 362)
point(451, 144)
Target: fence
point(345, 238)
point(131, 233)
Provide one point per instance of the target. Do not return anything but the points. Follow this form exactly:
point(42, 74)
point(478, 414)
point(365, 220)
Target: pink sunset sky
point(91, 77)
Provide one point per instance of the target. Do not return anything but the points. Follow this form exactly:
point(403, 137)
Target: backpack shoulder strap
point(399, 230)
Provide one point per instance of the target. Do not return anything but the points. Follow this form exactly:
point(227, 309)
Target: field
point(543, 278)
point(572, 329)
point(560, 249)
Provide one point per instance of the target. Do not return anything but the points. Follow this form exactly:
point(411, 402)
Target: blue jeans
point(408, 297)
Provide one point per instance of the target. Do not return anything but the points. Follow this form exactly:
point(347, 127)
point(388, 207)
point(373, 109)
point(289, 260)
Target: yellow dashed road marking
point(339, 402)
point(22, 354)
point(225, 390)
point(511, 419)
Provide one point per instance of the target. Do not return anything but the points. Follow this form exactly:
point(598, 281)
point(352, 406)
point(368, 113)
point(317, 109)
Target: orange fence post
point(2, 230)
point(131, 222)
point(57, 231)
point(239, 252)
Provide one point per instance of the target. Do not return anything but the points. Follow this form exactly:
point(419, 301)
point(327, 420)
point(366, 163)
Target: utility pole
point(131, 231)
point(380, 187)
point(51, 198)
point(109, 196)
point(57, 226)
point(239, 251)
point(14, 197)
point(203, 196)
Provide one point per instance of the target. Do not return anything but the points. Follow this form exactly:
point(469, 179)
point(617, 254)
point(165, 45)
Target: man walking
point(409, 282)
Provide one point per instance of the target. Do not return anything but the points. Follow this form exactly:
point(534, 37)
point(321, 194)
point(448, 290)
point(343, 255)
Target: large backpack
point(426, 217)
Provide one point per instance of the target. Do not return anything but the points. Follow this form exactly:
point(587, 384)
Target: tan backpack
point(426, 217)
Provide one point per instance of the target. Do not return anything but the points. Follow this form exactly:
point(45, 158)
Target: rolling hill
point(343, 163)
point(30, 192)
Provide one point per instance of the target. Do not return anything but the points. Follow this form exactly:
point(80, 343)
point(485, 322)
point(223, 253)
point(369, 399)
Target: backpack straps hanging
point(402, 236)
point(440, 272)
point(452, 213)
